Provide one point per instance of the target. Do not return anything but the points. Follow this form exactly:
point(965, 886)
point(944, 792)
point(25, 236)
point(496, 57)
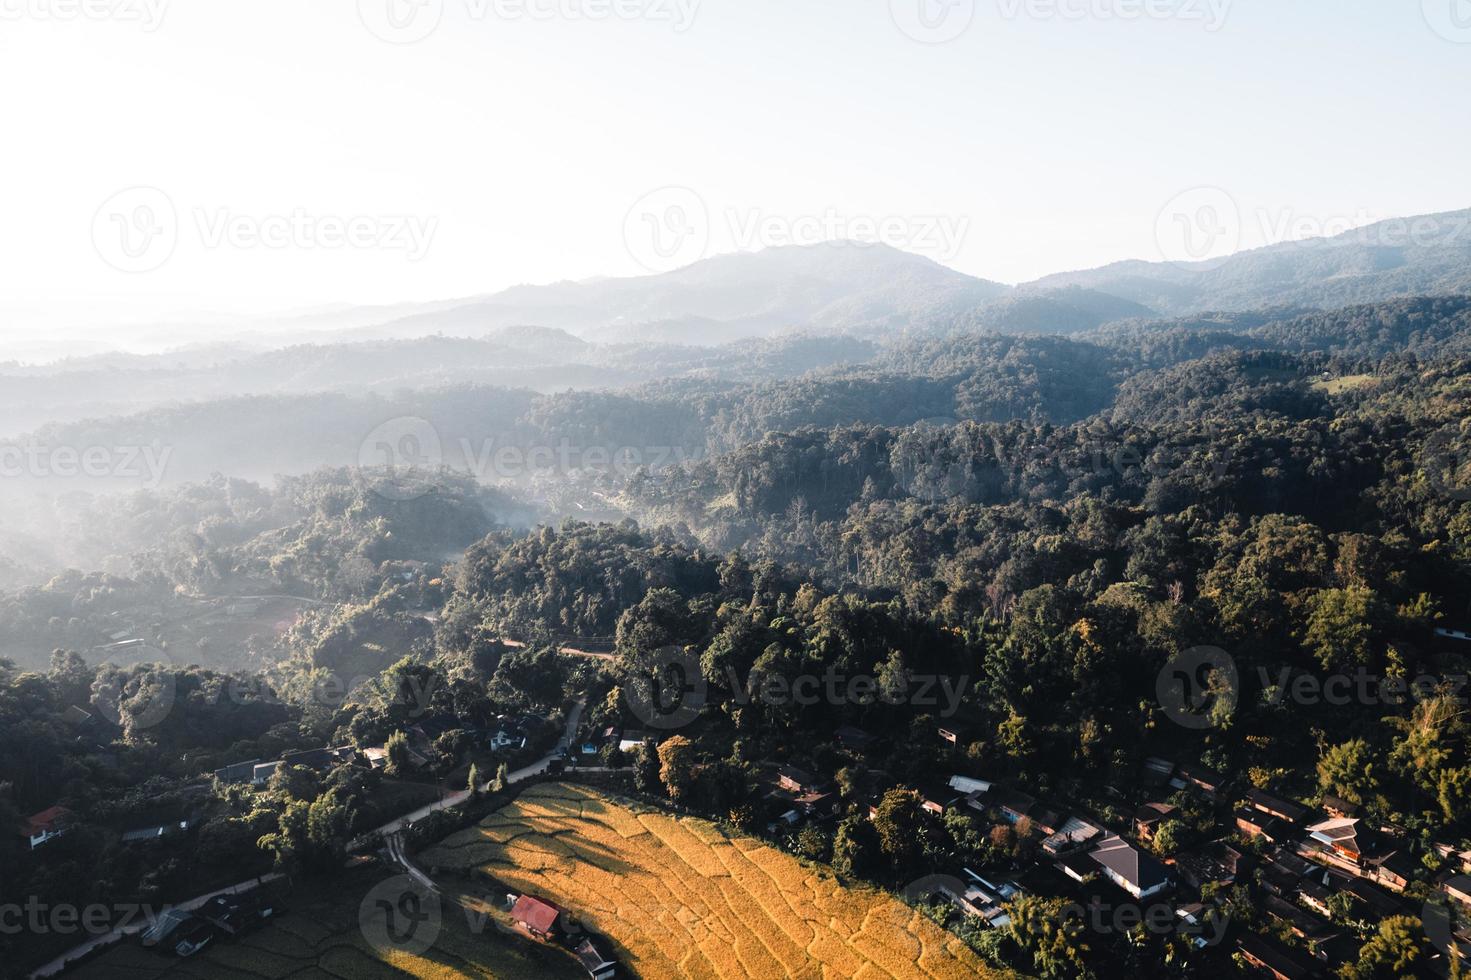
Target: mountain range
point(770, 314)
point(880, 292)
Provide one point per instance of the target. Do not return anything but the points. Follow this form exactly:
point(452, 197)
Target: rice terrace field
point(681, 899)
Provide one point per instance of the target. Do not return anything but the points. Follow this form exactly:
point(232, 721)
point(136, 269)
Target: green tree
point(1340, 626)
point(646, 767)
point(855, 847)
point(812, 843)
point(397, 748)
point(1396, 949)
point(1453, 793)
point(294, 782)
point(1050, 943)
point(899, 824)
point(474, 780)
point(1350, 771)
point(1169, 837)
point(677, 757)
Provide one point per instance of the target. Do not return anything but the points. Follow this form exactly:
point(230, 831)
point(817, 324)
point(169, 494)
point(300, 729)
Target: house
point(234, 914)
point(507, 738)
point(1337, 807)
point(984, 898)
point(540, 918)
point(1075, 832)
point(799, 781)
point(1394, 869)
point(1078, 866)
point(155, 833)
point(1130, 868)
point(974, 900)
point(321, 759)
point(1379, 902)
point(817, 804)
point(953, 735)
point(1046, 819)
point(1276, 806)
point(870, 785)
point(1216, 862)
point(1157, 771)
point(1335, 950)
point(631, 740)
point(377, 757)
point(236, 773)
point(1459, 859)
point(1013, 805)
point(1276, 959)
point(1203, 780)
point(1277, 880)
point(1314, 894)
point(405, 570)
point(46, 825)
point(1457, 887)
point(1293, 864)
point(789, 817)
point(936, 798)
point(966, 786)
point(1254, 823)
point(855, 739)
point(598, 966)
point(263, 772)
point(1340, 835)
point(1302, 923)
point(1194, 917)
point(1151, 815)
point(1004, 891)
point(426, 731)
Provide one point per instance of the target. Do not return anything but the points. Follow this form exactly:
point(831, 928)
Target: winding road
point(574, 716)
point(391, 833)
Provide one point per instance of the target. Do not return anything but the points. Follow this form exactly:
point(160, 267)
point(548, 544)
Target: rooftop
point(536, 914)
point(1129, 863)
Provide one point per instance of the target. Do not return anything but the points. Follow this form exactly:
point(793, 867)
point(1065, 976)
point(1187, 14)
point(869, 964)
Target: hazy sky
point(242, 156)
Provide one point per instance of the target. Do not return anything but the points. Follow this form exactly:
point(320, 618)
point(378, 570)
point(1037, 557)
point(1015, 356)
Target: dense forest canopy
point(1028, 528)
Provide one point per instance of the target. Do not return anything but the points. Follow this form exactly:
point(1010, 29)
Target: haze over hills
point(882, 292)
point(698, 321)
point(843, 286)
point(1427, 255)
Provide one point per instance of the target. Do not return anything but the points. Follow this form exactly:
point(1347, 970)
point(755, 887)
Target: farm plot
point(680, 899)
point(320, 936)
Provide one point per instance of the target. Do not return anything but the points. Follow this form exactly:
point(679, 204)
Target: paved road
point(259, 598)
point(395, 844)
point(390, 831)
point(569, 650)
point(455, 799)
point(142, 923)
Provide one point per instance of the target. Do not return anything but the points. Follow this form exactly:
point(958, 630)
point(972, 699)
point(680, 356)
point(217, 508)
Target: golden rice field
point(681, 899)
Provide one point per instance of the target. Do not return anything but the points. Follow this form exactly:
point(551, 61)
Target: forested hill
point(1141, 372)
point(1424, 255)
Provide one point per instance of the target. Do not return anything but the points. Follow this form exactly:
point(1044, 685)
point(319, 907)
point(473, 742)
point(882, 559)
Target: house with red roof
point(43, 826)
point(537, 916)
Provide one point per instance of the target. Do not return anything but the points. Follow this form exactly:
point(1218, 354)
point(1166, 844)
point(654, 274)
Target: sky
point(172, 158)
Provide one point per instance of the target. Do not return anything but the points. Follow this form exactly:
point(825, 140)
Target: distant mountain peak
point(840, 286)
